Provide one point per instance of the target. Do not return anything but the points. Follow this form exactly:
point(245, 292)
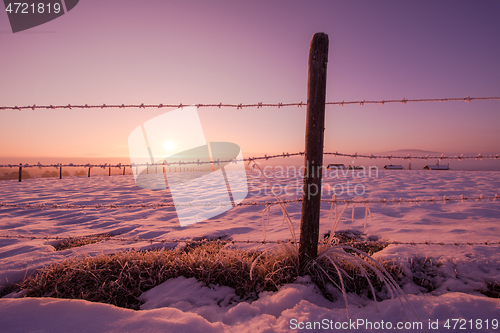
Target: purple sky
point(203, 51)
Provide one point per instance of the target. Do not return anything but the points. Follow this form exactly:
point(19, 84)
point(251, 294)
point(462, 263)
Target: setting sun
point(169, 145)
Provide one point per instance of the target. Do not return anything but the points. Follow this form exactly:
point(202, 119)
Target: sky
point(191, 52)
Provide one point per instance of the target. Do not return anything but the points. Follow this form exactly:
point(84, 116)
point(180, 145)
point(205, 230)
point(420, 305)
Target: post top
point(320, 35)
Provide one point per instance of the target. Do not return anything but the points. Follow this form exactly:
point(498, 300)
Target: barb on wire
point(155, 240)
point(356, 200)
point(238, 106)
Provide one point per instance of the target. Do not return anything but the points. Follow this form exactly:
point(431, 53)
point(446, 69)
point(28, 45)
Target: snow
point(273, 312)
point(186, 305)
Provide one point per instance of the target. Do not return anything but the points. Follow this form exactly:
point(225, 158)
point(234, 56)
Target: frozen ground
point(457, 272)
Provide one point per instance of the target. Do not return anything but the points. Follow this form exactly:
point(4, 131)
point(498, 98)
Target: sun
point(169, 145)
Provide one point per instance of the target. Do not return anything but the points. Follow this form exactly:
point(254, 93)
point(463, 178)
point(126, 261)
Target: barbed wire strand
point(120, 165)
point(153, 240)
point(418, 157)
point(239, 105)
point(250, 159)
point(358, 200)
point(404, 100)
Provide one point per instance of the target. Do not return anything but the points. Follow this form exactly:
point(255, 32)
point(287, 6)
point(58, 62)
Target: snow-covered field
point(185, 305)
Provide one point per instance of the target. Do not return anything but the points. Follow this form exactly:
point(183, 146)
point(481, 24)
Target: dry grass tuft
point(120, 278)
point(357, 240)
point(81, 241)
point(15, 287)
point(425, 272)
point(492, 290)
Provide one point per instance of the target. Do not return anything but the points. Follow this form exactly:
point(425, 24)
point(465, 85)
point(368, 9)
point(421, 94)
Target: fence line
point(119, 165)
point(250, 159)
point(410, 157)
point(153, 240)
point(404, 100)
point(354, 201)
point(315, 84)
point(239, 105)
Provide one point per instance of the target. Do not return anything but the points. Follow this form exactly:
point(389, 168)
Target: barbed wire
point(404, 100)
point(160, 164)
point(358, 200)
point(222, 240)
point(418, 157)
point(250, 159)
point(148, 106)
point(444, 199)
point(239, 105)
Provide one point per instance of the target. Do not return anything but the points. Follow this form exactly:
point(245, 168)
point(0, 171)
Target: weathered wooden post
point(124, 170)
point(89, 172)
point(110, 171)
point(20, 172)
point(315, 127)
point(60, 172)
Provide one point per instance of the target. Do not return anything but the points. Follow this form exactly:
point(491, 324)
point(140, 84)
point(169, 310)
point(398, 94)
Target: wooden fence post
point(313, 161)
point(20, 172)
point(124, 170)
